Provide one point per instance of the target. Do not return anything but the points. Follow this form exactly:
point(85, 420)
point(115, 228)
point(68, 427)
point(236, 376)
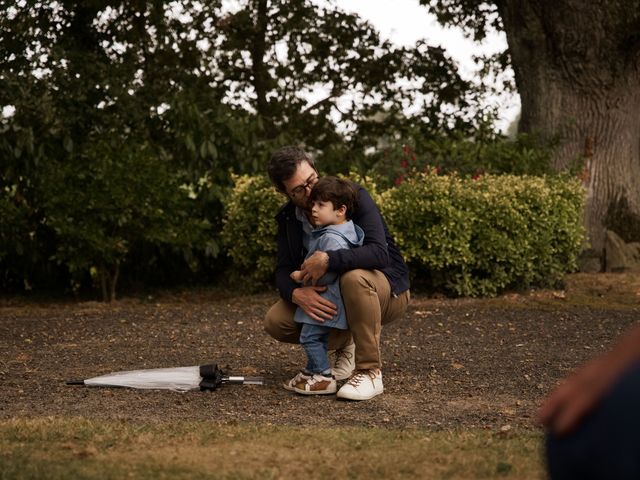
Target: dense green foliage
point(125, 124)
point(481, 236)
point(567, 54)
point(85, 152)
point(111, 104)
point(250, 229)
point(464, 236)
point(100, 211)
point(468, 157)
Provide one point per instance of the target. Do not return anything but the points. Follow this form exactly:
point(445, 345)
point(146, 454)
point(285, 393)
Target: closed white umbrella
point(181, 379)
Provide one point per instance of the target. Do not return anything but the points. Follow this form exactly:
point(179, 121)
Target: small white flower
point(8, 111)
point(163, 107)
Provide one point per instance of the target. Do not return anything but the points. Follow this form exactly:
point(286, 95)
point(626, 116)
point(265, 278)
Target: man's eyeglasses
point(300, 189)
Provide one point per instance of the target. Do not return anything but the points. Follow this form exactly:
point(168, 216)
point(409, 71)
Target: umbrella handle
point(75, 381)
point(243, 380)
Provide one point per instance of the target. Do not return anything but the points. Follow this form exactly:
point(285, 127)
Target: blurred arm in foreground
point(593, 417)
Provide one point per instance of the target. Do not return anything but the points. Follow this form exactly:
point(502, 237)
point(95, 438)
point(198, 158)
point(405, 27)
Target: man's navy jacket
point(378, 251)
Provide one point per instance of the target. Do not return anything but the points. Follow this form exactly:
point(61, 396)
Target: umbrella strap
point(211, 376)
point(210, 370)
point(208, 384)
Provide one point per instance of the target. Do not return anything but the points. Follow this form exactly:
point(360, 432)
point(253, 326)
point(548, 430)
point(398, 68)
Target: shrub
point(249, 232)
point(101, 207)
point(16, 238)
point(524, 155)
point(14, 223)
point(465, 236)
point(250, 229)
point(479, 237)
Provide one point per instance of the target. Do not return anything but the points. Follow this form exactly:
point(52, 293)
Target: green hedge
point(480, 237)
point(249, 232)
point(463, 236)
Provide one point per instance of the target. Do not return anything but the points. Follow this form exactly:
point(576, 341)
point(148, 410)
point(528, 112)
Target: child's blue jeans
point(314, 340)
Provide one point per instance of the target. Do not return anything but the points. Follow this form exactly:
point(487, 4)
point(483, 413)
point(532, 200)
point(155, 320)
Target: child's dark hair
point(337, 191)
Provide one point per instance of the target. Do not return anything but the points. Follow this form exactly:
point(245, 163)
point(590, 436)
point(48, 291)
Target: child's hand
point(296, 276)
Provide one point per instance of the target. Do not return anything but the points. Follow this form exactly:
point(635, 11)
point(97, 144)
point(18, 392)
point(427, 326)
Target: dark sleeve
point(284, 264)
point(373, 254)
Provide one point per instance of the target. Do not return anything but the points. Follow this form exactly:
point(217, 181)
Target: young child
point(332, 202)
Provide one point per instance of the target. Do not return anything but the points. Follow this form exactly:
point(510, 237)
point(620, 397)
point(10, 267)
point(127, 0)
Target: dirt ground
point(450, 363)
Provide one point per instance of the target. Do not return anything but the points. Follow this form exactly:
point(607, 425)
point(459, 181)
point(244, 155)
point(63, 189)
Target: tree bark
point(108, 281)
point(114, 282)
point(102, 273)
point(577, 68)
point(260, 74)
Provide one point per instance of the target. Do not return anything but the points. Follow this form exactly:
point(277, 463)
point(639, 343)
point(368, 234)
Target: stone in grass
point(503, 468)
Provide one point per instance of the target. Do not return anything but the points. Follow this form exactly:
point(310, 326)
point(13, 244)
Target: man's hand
point(309, 300)
point(296, 276)
point(582, 391)
point(576, 397)
point(314, 267)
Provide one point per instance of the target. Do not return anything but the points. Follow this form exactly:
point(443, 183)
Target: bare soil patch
point(448, 364)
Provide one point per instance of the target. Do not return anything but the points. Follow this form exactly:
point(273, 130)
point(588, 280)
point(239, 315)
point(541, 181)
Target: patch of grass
point(602, 291)
point(63, 448)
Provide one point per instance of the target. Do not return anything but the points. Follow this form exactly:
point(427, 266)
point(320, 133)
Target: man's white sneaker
point(363, 385)
point(344, 362)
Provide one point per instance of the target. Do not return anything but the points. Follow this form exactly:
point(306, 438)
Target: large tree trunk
point(260, 73)
point(577, 67)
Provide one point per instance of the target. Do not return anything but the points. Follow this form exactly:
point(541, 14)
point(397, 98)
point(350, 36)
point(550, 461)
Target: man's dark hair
point(337, 191)
point(284, 162)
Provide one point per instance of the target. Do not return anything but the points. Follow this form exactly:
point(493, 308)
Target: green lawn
point(75, 448)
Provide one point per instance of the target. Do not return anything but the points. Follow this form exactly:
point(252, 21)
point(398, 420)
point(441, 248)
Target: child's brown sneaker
point(317, 384)
point(300, 378)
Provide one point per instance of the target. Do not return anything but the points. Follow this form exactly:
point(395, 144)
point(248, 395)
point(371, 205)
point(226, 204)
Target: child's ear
point(342, 211)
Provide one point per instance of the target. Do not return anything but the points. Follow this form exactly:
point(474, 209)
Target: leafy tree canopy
point(200, 90)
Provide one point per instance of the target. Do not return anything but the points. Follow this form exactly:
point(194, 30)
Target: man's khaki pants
point(368, 304)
